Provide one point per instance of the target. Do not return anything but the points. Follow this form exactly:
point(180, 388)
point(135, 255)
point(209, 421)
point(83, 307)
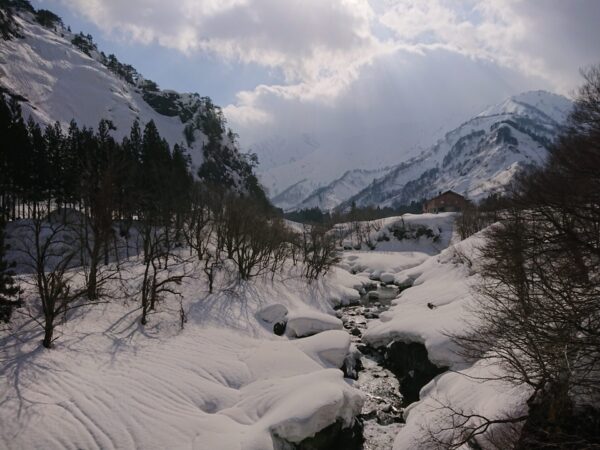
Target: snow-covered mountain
point(330, 196)
point(278, 150)
point(480, 156)
point(59, 76)
point(289, 198)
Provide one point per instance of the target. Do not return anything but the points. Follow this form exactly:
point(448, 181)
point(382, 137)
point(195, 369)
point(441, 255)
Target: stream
point(382, 412)
point(390, 378)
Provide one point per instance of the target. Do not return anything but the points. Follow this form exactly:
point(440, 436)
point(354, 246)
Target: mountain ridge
point(327, 197)
point(59, 76)
point(479, 157)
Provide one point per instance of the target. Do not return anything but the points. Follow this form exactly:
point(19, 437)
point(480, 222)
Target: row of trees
point(85, 168)
point(539, 312)
point(219, 231)
point(353, 214)
point(87, 201)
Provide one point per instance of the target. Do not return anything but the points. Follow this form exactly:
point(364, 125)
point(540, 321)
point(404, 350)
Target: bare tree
point(467, 429)
point(198, 223)
point(49, 250)
point(159, 279)
point(252, 237)
point(319, 251)
point(538, 313)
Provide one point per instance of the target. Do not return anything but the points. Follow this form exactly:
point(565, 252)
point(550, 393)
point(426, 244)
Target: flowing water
point(382, 412)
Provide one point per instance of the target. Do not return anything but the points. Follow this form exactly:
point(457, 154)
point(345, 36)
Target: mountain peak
point(540, 103)
point(479, 157)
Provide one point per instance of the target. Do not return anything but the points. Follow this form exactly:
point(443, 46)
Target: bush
point(47, 18)
point(401, 231)
point(319, 251)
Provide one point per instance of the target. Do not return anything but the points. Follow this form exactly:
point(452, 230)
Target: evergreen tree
point(8, 288)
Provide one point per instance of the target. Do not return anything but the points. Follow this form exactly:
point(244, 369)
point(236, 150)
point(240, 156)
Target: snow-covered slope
point(224, 381)
point(533, 104)
point(62, 83)
point(59, 76)
point(479, 157)
point(328, 197)
point(293, 195)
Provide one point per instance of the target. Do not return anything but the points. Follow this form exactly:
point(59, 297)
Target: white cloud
point(361, 76)
point(306, 39)
point(320, 45)
point(551, 39)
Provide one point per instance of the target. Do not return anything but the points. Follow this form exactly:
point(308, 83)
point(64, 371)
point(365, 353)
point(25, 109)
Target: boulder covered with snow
point(387, 277)
point(273, 314)
point(283, 406)
point(309, 322)
point(373, 295)
point(329, 348)
point(375, 275)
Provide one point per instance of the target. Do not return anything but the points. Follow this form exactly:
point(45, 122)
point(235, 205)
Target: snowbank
point(273, 313)
point(329, 348)
point(437, 304)
point(376, 263)
point(463, 392)
point(383, 234)
point(293, 408)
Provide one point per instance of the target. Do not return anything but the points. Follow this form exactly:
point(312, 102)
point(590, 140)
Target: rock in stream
point(391, 377)
point(382, 412)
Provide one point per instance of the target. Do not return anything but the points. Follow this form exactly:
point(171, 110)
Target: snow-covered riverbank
point(227, 381)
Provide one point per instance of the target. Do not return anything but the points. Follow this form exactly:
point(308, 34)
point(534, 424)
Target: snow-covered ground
point(226, 381)
point(436, 304)
point(223, 382)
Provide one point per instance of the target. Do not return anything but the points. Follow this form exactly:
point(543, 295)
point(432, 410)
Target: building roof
point(449, 192)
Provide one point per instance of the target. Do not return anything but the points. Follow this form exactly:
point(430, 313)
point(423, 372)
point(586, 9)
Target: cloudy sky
point(352, 82)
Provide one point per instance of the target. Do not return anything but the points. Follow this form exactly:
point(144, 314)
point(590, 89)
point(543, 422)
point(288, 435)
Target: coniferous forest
point(82, 168)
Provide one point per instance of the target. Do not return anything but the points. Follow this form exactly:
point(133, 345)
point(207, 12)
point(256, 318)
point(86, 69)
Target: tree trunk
point(145, 290)
point(48, 332)
point(92, 286)
point(153, 288)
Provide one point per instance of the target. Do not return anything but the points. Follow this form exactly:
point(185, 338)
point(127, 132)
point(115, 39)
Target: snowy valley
point(155, 295)
point(224, 380)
